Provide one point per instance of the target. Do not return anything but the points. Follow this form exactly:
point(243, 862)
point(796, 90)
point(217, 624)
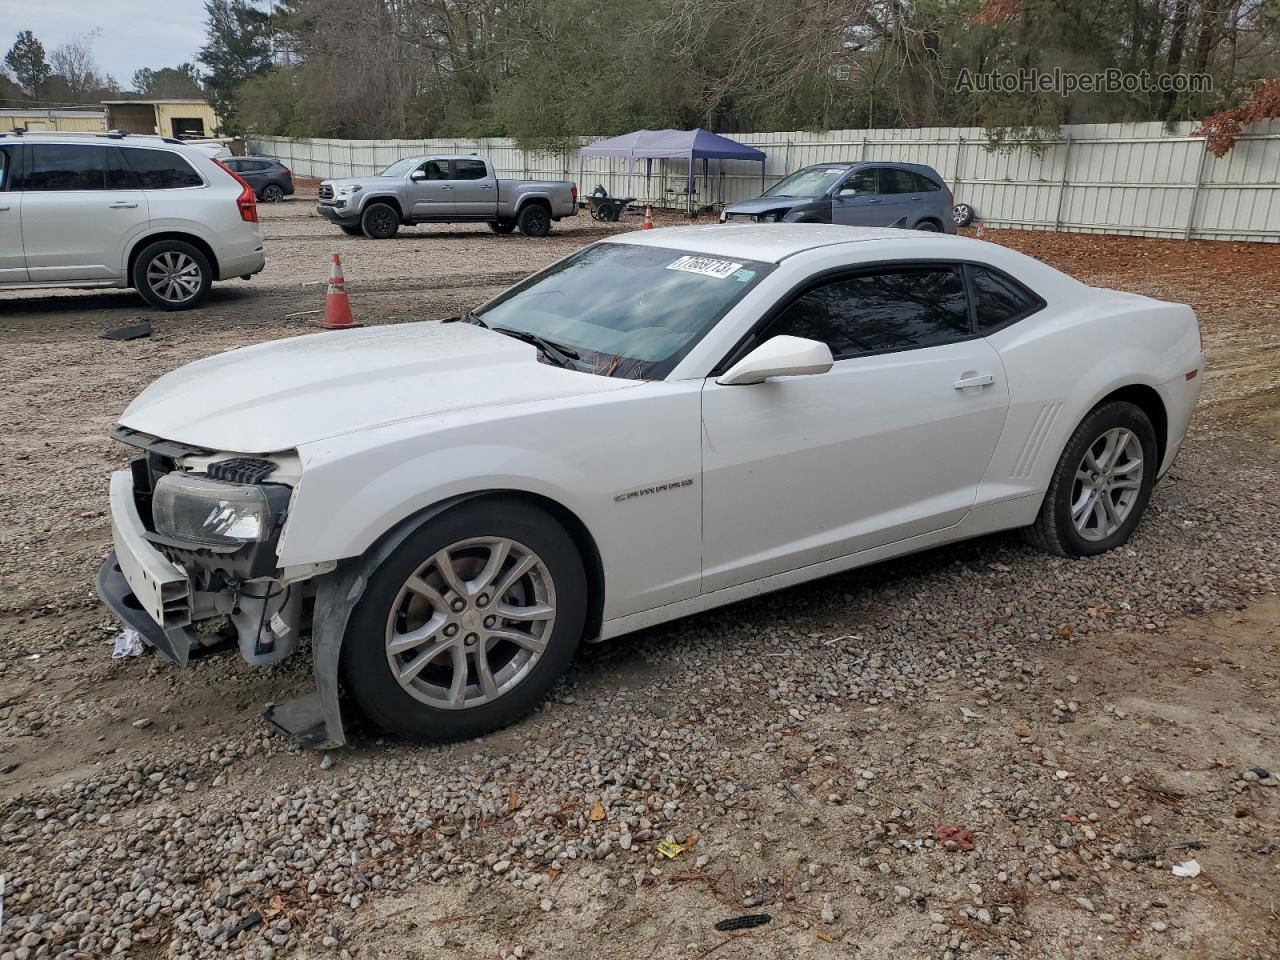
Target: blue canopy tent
point(696, 144)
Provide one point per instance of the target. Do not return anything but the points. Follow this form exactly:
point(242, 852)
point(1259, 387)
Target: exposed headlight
point(347, 189)
point(199, 510)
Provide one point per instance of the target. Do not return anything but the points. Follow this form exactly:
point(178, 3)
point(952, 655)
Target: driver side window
point(880, 312)
point(436, 169)
point(863, 181)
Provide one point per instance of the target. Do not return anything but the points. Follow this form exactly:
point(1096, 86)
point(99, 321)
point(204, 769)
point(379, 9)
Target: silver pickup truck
point(445, 189)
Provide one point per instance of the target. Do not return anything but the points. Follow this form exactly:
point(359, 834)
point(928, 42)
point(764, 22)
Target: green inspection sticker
point(744, 276)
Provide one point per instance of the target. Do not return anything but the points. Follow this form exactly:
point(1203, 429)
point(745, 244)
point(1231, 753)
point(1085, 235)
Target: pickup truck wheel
point(172, 275)
point(468, 624)
point(380, 221)
point(502, 226)
point(534, 220)
point(351, 230)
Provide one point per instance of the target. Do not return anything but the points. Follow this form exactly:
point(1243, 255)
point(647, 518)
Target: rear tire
point(502, 227)
point(172, 275)
point(928, 226)
point(380, 221)
point(1101, 485)
point(412, 610)
point(272, 193)
point(534, 220)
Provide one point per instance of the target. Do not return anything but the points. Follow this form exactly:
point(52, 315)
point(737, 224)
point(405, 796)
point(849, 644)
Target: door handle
point(122, 205)
point(5, 207)
point(981, 380)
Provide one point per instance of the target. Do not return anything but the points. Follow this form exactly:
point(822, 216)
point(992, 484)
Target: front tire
point(534, 220)
point(380, 221)
point(172, 275)
point(468, 624)
point(1102, 483)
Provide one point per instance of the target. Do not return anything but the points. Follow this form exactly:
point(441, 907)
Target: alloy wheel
point(174, 277)
point(471, 622)
point(1107, 484)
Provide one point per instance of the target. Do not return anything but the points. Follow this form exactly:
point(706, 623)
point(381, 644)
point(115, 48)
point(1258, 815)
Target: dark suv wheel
point(272, 193)
point(380, 221)
point(172, 275)
point(468, 623)
point(1102, 483)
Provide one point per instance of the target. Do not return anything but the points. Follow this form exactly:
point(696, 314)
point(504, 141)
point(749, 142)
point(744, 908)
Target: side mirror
point(847, 192)
point(418, 174)
point(779, 357)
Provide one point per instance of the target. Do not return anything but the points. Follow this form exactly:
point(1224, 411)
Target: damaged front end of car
point(195, 567)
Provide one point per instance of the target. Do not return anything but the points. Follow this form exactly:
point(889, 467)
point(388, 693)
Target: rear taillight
point(573, 190)
point(286, 171)
point(247, 202)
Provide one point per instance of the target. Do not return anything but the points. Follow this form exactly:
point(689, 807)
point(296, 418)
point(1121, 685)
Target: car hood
point(766, 204)
point(276, 396)
point(364, 182)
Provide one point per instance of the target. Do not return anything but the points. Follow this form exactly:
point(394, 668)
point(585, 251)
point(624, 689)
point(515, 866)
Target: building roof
point(144, 100)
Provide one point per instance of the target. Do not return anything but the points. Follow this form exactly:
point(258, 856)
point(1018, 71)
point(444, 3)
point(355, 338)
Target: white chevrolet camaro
point(660, 423)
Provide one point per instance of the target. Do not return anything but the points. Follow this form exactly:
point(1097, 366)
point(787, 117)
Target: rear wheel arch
point(143, 242)
point(1146, 399)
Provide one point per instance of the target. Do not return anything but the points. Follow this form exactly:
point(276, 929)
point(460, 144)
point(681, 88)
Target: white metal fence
point(1131, 178)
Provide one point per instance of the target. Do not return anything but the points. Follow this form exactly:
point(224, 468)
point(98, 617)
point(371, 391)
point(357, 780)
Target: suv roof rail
point(109, 134)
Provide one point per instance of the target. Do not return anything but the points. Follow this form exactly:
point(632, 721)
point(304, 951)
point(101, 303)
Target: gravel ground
point(979, 750)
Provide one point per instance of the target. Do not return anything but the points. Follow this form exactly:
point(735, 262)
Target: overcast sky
point(133, 33)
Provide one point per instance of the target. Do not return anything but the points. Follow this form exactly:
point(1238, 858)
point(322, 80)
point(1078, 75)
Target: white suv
point(115, 210)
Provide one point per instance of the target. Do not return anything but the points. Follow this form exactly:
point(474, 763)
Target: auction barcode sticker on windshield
point(707, 266)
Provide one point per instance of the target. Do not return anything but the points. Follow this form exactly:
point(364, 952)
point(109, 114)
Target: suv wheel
point(1101, 485)
point(534, 220)
point(928, 226)
point(502, 226)
point(380, 221)
point(272, 193)
point(468, 623)
point(962, 214)
point(172, 275)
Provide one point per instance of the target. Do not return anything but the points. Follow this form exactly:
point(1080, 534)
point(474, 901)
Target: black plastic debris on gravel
point(135, 332)
point(743, 923)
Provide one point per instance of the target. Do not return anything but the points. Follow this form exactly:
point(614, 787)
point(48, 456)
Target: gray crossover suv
point(861, 194)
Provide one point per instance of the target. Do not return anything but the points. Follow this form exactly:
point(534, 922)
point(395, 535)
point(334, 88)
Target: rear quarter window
point(999, 300)
point(159, 169)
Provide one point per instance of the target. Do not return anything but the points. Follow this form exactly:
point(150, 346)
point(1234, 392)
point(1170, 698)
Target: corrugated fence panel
point(1130, 178)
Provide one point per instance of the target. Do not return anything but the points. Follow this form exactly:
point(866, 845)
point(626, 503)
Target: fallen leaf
point(552, 874)
point(597, 811)
point(825, 937)
point(513, 802)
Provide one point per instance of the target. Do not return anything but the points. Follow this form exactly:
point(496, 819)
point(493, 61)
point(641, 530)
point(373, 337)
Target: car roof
point(107, 137)
point(765, 242)
point(850, 164)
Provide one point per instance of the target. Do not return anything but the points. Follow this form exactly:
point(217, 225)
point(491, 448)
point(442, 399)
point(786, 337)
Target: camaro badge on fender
point(657, 488)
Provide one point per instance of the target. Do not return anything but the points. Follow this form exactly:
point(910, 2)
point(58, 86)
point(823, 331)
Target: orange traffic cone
point(648, 217)
point(337, 308)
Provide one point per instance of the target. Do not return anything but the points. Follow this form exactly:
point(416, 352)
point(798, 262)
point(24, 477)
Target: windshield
point(626, 310)
point(401, 167)
point(810, 182)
